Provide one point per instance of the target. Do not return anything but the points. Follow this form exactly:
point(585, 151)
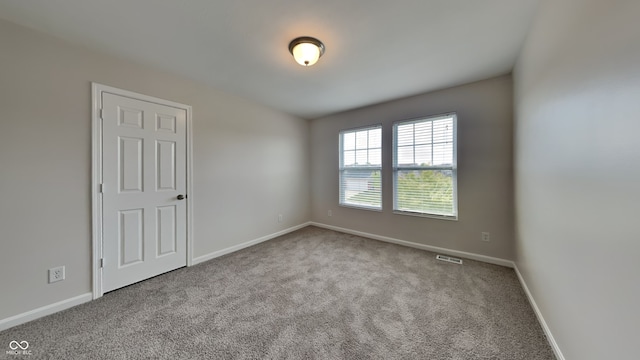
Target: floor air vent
point(449, 259)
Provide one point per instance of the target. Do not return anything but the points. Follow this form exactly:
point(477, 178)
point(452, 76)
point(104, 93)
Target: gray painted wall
point(577, 174)
point(577, 86)
point(250, 163)
point(484, 169)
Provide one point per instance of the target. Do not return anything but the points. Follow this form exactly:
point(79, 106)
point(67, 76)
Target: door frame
point(96, 175)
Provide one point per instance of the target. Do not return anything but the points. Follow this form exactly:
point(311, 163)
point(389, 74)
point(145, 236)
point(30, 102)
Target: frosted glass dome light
point(306, 50)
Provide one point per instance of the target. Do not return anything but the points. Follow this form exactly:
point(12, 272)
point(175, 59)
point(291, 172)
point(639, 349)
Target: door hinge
point(100, 113)
point(101, 188)
point(102, 262)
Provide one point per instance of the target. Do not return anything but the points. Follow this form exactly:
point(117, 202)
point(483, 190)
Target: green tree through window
point(435, 187)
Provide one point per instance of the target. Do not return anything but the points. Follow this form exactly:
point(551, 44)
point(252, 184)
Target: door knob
point(182, 197)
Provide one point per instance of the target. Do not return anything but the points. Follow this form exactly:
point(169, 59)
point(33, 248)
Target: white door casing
point(141, 227)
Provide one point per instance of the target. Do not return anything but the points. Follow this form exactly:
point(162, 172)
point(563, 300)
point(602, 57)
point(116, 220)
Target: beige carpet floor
point(311, 294)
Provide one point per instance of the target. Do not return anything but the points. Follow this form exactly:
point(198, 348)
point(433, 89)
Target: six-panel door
point(144, 171)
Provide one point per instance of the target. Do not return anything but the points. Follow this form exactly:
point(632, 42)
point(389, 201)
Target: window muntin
point(425, 167)
point(360, 168)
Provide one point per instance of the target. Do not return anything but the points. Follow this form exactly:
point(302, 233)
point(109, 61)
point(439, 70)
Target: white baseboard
point(44, 311)
point(536, 310)
point(463, 254)
point(234, 248)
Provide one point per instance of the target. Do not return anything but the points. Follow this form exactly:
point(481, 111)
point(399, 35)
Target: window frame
point(342, 168)
point(453, 168)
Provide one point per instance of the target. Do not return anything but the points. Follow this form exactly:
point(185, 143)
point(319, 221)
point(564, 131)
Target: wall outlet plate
point(56, 274)
point(485, 236)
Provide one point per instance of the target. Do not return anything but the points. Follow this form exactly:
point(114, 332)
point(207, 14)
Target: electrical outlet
point(330, 213)
point(56, 274)
point(485, 236)
point(279, 218)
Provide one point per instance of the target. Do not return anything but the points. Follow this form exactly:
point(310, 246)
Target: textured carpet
point(311, 294)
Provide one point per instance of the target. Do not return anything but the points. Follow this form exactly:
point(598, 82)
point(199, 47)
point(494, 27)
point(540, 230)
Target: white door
point(144, 190)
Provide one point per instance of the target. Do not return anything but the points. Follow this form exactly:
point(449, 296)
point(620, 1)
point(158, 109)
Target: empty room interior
point(255, 179)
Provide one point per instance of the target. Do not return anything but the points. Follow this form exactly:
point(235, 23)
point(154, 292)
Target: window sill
point(361, 207)
point(431, 216)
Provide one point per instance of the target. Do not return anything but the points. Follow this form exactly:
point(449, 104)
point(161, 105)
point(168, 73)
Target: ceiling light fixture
point(306, 50)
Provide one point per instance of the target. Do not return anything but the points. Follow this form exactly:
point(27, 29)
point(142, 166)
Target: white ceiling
point(377, 50)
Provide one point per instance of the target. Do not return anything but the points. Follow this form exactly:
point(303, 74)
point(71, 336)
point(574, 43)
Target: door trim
point(96, 175)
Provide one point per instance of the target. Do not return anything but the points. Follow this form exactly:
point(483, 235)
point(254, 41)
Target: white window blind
point(360, 165)
point(424, 167)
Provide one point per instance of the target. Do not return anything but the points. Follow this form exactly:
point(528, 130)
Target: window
point(424, 167)
point(360, 165)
